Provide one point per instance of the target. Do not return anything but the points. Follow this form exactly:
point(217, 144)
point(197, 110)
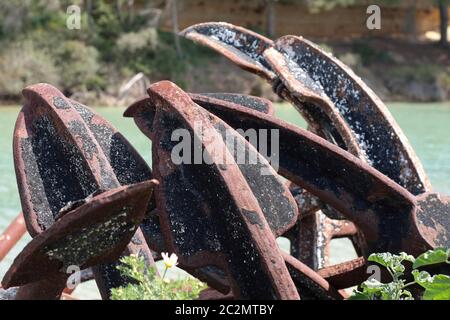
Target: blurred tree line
point(116, 41)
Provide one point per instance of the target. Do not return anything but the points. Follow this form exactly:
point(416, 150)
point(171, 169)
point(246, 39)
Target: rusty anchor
point(95, 233)
point(389, 216)
point(220, 203)
point(335, 102)
point(64, 155)
point(271, 201)
point(303, 235)
point(216, 201)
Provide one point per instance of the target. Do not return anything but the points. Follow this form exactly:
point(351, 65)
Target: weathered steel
point(64, 154)
point(251, 102)
point(308, 283)
point(381, 140)
point(49, 288)
point(143, 112)
point(311, 284)
point(217, 278)
point(95, 233)
point(307, 235)
point(304, 238)
point(211, 294)
point(214, 276)
point(244, 47)
point(13, 233)
point(346, 274)
point(243, 118)
point(220, 204)
point(277, 203)
point(386, 213)
point(335, 102)
point(208, 212)
point(307, 72)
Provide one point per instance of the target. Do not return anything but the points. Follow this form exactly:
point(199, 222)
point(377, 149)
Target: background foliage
point(117, 41)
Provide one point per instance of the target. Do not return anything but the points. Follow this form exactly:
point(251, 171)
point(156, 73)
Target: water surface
point(427, 126)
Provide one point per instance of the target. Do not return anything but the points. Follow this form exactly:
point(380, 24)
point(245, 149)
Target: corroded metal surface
point(280, 210)
point(382, 142)
point(220, 202)
point(251, 102)
point(346, 274)
point(190, 220)
point(304, 238)
point(242, 46)
point(211, 294)
point(247, 50)
point(311, 76)
point(385, 212)
point(318, 224)
point(337, 105)
point(49, 288)
point(278, 205)
point(65, 154)
point(309, 283)
point(95, 233)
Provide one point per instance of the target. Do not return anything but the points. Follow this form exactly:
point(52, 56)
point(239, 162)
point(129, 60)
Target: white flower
point(171, 261)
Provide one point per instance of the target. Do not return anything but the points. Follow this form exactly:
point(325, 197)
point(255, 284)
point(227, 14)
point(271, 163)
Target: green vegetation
point(36, 46)
point(117, 41)
point(370, 54)
point(423, 72)
point(149, 286)
point(436, 287)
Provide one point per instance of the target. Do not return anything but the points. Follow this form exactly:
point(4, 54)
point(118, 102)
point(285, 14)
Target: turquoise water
point(427, 126)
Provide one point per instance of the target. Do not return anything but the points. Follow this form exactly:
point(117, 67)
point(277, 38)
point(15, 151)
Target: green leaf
point(438, 289)
point(394, 263)
point(407, 257)
point(384, 259)
point(372, 287)
point(374, 290)
point(149, 286)
point(393, 290)
point(422, 277)
point(406, 295)
point(435, 256)
point(358, 295)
